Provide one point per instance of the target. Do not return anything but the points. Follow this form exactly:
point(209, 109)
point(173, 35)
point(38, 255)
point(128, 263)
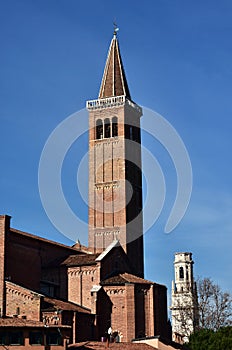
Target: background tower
point(184, 297)
point(115, 180)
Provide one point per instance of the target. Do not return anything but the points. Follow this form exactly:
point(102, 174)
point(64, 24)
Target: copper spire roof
point(114, 81)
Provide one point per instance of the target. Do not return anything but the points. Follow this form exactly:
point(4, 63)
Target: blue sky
point(177, 57)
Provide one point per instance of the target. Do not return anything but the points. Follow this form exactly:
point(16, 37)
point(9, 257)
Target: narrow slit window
point(107, 128)
point(99, 129)
point(115, 126)
point(181, 272)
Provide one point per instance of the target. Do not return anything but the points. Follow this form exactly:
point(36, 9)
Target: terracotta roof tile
point(63, 305)
point(123, 278)
point(19, 322)
point(116, 346)
point(45, 240)
point(80, 260)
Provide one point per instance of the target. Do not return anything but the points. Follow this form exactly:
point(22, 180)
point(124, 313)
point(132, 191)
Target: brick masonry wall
point(27, 255)
point(115, 261)
point(109, 195)
point(80, 282)
point(4, 227)
point(119, 316)
point(106, 182)
point(22, 302)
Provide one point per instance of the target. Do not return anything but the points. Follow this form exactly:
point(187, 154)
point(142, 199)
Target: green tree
point(207, 339)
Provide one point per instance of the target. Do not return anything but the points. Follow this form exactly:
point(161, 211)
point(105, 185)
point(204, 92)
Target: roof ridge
point(49, 241)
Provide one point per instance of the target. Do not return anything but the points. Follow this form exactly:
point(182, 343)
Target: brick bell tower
point(115, 177)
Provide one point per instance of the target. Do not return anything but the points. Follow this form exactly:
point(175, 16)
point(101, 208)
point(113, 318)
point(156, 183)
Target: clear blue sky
point(178, 61)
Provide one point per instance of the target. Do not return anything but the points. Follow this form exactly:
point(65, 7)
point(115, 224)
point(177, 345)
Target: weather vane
point(116, 29)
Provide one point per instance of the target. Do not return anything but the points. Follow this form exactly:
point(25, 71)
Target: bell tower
point(115, 177)
point(184, 297)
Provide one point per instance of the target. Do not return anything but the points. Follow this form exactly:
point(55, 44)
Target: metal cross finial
point(116, 29)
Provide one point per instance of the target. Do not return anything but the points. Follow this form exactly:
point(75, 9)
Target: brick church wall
point(22, 302)
point(4, 227)
point(114, 262)
point(26, 255)
point(80, 282)
point(119, 316)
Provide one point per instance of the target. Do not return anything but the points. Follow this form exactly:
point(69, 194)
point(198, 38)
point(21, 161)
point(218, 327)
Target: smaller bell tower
point(184, 297)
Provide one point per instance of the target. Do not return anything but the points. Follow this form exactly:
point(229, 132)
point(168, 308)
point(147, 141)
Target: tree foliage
point(207, 339)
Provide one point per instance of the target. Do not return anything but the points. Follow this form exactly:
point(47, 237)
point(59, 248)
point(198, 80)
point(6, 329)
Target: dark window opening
point(132, 133)
point(114, 126)
point(107, 128)
point(49, 289)
point(3, 338)
point(35, 338)
point(16, 338)
point(181, 272)
point(99, 129)
point(54, 339)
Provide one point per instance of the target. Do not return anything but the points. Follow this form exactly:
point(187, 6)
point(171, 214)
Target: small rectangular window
point(3, 338)
point(54, 339)
point(16, 338)
point(36, 338)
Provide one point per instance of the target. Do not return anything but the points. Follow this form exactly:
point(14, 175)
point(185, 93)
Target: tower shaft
point(115, 180)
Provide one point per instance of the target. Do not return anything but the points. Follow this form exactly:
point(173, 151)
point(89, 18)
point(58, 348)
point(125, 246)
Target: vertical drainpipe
point(74, 327)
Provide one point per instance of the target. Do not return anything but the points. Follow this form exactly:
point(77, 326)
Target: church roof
point(114, 81)
point(42, 239)
point(123, 278)
point(91, 345)
point(19, 322)
point(63, 305)
point(80, 260)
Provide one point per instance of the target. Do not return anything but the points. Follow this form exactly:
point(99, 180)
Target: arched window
point(107, 128)
point(181, 272)
point(114, 126)
point(99, 129)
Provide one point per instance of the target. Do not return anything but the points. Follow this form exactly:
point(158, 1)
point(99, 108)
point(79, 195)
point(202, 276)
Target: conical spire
point(114, 81)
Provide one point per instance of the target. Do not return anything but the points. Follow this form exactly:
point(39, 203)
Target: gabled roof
point(42, 239)
point(114, 81)
point(63, 305)
point(11, 285)
point(124, 278)
point(114, 244)
point(80, 260)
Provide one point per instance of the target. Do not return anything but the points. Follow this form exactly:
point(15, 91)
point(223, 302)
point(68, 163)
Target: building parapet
point(111, 102)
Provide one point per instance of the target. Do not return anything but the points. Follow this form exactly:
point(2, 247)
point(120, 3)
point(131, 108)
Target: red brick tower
point(115, 179)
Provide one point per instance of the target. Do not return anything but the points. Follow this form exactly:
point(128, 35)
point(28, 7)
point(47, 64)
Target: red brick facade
point(100, 283)
point(87, 290)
